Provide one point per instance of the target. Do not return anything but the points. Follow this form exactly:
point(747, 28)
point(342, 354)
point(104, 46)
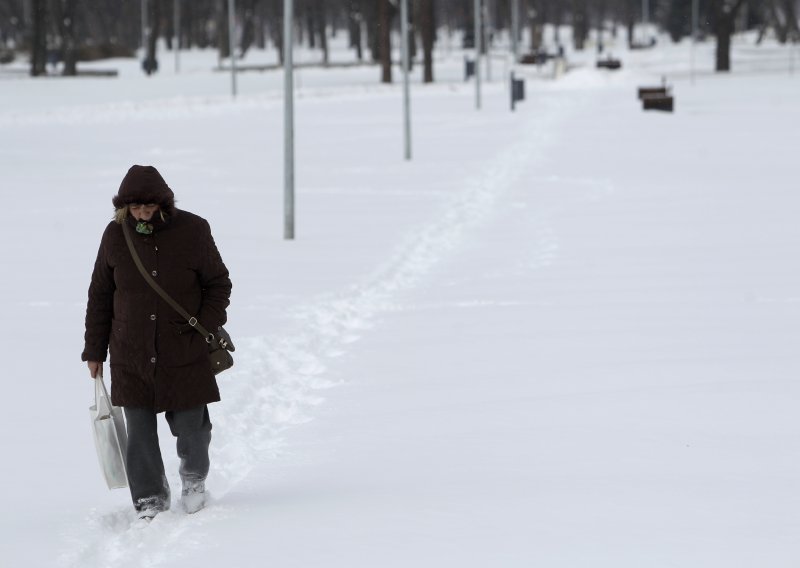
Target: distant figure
point(150, 65)
point(159, 363)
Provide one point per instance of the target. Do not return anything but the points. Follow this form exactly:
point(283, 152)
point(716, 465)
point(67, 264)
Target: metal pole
point(232, 43)
point(406, 89)
point(478, 54)
point(177, 41)
point(487, 23)
point(515, 29)
point(288, 122)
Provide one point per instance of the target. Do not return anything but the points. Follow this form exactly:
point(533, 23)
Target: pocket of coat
point(119, 334)
point(181, 347)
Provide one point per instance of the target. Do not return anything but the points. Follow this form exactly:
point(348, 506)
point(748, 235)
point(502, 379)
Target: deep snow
point(561, 337)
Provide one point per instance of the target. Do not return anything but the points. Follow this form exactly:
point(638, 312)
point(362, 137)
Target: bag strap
point(102, 402)
point(191, 320)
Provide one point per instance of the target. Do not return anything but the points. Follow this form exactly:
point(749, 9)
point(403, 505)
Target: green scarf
point(144, 228)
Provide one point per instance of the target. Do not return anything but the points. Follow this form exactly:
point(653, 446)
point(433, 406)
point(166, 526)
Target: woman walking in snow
point(159, 363)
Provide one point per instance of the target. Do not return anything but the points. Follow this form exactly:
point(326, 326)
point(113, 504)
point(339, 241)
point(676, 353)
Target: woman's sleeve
point(215, 283)
point(100, 307)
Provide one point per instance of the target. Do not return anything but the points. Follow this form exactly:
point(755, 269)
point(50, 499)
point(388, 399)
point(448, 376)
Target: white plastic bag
point(110, 437)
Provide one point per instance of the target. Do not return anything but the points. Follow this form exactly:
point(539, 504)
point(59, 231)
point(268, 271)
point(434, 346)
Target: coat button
point(152, 359)
point(154, 273)
point(153, 317)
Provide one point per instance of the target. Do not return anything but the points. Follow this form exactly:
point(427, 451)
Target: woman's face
point(143, 211)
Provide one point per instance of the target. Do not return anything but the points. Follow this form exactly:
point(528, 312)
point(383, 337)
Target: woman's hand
point(95, 368)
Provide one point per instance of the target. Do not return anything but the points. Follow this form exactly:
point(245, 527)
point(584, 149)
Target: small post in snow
point(406, 89)
point(232, 43)
point(288, 122)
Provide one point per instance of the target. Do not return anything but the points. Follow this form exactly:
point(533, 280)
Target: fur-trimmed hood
point(143, 184)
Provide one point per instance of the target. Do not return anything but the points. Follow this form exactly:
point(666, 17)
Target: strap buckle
point(193, 321)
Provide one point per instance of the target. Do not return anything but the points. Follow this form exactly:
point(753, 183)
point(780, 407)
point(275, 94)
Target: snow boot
point(193, 497)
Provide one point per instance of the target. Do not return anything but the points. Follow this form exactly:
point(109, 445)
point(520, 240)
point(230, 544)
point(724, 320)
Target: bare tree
point(150, 64)
point(320, 17)
point(38, 37)
point(427, 25)
point(65, 16)
point(723, 13)
point(384, 28)
point(580, 23)
point(355, 18)
point(783, 15)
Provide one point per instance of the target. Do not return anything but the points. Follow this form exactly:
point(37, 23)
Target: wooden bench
point(609, 63)
point(97, 73)
point(665, 103)
point(651, 91)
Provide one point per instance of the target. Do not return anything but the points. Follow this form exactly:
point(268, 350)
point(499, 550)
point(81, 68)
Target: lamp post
point(288, 122)
point(406, 88)
point(232, 43)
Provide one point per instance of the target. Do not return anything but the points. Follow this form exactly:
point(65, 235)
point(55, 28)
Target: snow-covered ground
point(562, 337)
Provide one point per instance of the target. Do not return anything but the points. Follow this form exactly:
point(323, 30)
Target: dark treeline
point(69, 31)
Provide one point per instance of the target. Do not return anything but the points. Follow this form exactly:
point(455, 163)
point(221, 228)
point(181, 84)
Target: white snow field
point(564, 337)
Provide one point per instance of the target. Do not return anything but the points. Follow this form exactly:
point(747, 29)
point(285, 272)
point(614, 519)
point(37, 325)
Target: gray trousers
point(146, 478)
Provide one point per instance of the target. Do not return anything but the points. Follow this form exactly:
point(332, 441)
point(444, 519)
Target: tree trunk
point(370, 13)
point(580, 23)
point(169, 18)
point(223, 41)
point(311, 27)
point(791, 17)
point(724, 12)
point(354, 19)
point(428, 32)
point(67, 31)
point(248, 26)
point(724, 33)
point(322, 29)
point(535, 24)
point(385, 39)
point(154, 24)
point(38, 38)
point(275, 18)
point(558, 20)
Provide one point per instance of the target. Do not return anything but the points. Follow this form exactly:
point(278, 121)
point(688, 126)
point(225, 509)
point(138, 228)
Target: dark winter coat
point(157, 360)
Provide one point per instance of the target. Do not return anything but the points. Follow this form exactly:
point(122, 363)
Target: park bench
point(609, 63)
point(665, 102)
point(651, 91)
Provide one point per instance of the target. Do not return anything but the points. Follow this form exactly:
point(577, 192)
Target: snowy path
point(257, 411)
